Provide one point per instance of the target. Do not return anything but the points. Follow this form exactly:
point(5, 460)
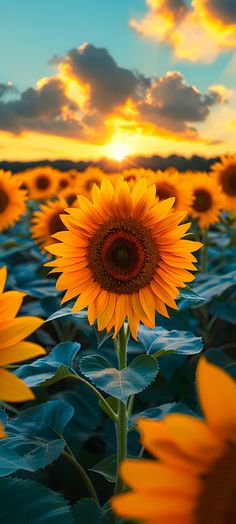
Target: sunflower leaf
point(120, 384)
point(160, 341)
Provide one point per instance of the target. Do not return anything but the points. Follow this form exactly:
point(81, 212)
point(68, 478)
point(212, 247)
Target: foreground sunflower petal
point(193, 481)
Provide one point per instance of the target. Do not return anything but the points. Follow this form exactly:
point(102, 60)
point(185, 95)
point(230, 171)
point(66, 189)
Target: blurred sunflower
point(193, 480)
point(131, 176)
point(85, 180)
point(64, 181)
point(13, 347)
point(42, 182)
point(208, 200)
point(70, 195)
point(12, 200)
point(123, 255)
point(170, 184)
point(22, 181)
point(225, 174)
point(47, 222)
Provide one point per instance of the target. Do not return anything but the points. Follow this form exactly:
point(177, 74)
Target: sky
point(84, 79)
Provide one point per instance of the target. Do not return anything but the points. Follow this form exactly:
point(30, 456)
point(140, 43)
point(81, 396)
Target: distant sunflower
point(47, 222)
point(225, 174)
point(208, 200)
point(12, 200)
point(64, 181)
point(22, 181)
point(13, 347)
point(169, 184)
point(42, 182)
point(131, 176)
point(123, 255)
point(85, 180)
point(193, 480)
point(70, 195)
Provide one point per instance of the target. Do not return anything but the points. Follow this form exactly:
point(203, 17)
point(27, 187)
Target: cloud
point(110, 85)
point(90, 98)
point(198, 30)
point(6, 89)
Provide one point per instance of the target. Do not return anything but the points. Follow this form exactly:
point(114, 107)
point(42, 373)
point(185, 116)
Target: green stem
point(204, 250)
point(71, 458)
point(10, 408)
point(121, 425)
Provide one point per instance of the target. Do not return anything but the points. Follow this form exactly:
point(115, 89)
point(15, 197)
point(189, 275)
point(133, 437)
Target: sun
point(117, 151)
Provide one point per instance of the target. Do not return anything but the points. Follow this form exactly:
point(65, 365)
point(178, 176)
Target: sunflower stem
point(204, 250)
point(121, 424)
point(71, 458)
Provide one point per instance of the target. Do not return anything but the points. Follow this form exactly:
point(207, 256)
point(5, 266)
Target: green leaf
point(35, 438)
point(159, 341)
point(113, 403)
point(107, 468)
point(26, 501)
point(65, 312)
point(120, 384)
point(52, 368)
point(212, 285)
point(86, 510)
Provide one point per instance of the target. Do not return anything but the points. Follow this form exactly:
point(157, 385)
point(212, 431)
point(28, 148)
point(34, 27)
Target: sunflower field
point(117, 335)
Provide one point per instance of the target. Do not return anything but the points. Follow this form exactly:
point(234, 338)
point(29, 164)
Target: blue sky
point(33, 32)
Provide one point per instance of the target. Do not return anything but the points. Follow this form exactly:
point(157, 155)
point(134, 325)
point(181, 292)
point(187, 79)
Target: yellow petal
point(19, 352)
point(10, 303)
point(143, 506)
point(13, 389)
point(3, 277)
point(217, 394)
point(13, 331)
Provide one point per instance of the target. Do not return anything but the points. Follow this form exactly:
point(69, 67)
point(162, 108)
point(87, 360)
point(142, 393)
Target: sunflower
point(169, 184)
point(208, 200)
point(70, 194)
point(64, 181)
point(193, 480)
point(42, 182)
point(47, 222)
point(22, 181)
point(225, 174)
point(85, 180)
point(13, 347)
point(12, 200)
point(123, 255)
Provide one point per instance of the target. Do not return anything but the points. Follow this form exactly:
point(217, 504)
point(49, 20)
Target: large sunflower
point(171, 184)
point(42, 182)
point(47, 222)
point(123, 255)
point(12, 200)
point(208, 200)
point(13, 347)
point(225, 174)
point(194, 479)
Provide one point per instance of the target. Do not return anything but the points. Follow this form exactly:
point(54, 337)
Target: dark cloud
point(224, 10)
point(40, 110)
point(176, 8)
point(110, 85)
point(6, 89)
point(171, 104)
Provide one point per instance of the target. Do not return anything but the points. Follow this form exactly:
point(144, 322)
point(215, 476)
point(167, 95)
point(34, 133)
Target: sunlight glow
point(117, 151)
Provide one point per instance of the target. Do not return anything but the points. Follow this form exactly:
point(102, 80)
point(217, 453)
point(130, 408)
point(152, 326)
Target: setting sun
point(117, 151)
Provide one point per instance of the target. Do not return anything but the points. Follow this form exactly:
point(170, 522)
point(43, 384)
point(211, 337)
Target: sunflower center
point(228, 180)
point(202, 200)
point(63, 183)
point(217, 501)
point(165, 191)
point(123, 256)
point(70, 199)
point(55, 224)
point(42, 182)
point(4, 200)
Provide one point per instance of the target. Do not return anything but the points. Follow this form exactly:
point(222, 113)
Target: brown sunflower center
point(89, 183)
point(217, 501)
point(42, 182)
point(63, 183)
point(70, 198)
point(228, 181)
point(4, 200)
point(165, 191)
point(202, 200)
point(55, 224)
point(123, 256)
